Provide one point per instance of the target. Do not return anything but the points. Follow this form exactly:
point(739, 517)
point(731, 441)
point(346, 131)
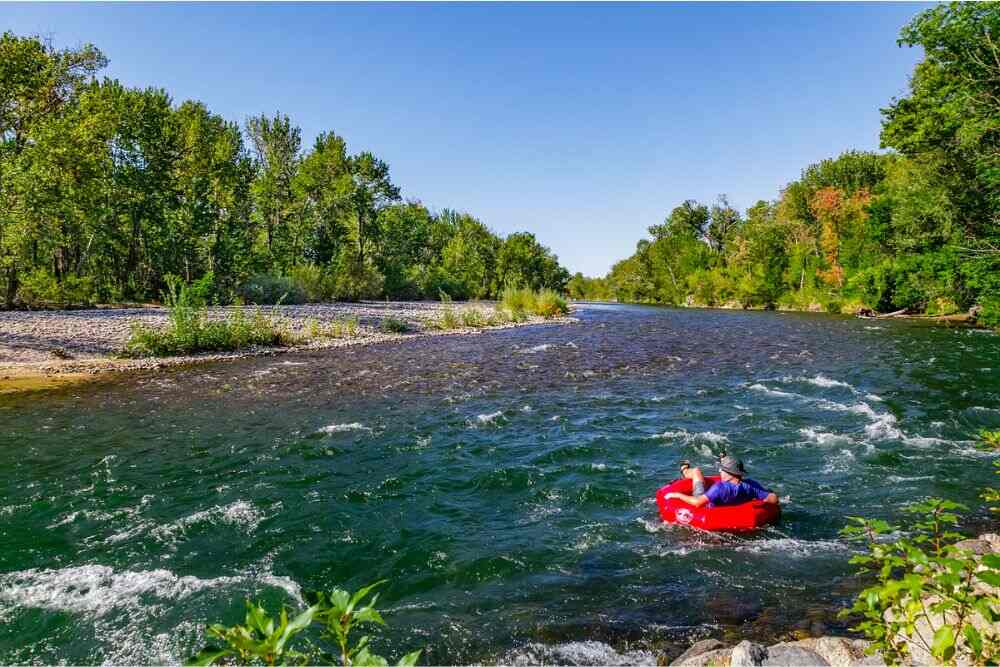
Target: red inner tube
point(745, 516)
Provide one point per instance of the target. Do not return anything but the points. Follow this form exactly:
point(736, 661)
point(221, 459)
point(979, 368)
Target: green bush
point(549, 303)
point(521, 302)
point(316, 284)
point(355, 279)
point(989, 315)
point(261, 639)
point(267, 290)
point(518, 300)
point(41, 288)
point(474, 319)
point(190, 330)
point(928, 592)
point(394, 325)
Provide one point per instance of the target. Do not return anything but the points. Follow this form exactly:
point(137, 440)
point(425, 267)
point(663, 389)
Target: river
point(502, 482)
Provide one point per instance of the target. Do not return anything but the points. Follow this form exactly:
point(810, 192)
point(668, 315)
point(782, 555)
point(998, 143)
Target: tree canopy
point(106, 191)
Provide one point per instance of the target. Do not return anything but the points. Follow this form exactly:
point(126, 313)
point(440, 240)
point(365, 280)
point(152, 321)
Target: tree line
point(915, 228)
point(107, 191)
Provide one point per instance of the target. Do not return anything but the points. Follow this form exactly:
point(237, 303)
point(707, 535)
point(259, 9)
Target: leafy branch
point(262, 640)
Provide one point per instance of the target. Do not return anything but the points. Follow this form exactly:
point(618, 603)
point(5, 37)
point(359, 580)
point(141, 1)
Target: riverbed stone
point(699, 647)
point(718, 658)
point(837, 651)
point(748, 654)
point(792, 656)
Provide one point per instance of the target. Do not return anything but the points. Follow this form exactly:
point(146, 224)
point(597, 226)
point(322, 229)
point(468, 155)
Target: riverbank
point(961, 319)
point(39, 349)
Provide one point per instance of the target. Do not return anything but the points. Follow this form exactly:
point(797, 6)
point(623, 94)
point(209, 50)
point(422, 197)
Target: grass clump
point(345, 327)
point(522, 302)
point(394, 325)
point(190, 330)
point(474, 319)
point(549, 303)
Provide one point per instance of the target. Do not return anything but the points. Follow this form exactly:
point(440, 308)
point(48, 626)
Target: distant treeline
point(106, 190)
point(918, 228)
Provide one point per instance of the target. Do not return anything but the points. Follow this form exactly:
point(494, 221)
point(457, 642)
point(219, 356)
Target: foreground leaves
point(262, 640)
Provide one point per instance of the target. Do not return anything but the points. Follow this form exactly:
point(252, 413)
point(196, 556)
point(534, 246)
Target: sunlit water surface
point(503, 483)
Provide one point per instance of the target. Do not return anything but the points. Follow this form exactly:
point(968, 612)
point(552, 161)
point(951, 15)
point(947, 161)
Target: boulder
point(837, 651)
point(699, 647)
point(717, 658)
point(748, 654)
point(792, 656)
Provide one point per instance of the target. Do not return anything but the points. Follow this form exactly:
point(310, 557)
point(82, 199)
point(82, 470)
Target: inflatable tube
point(745, 516)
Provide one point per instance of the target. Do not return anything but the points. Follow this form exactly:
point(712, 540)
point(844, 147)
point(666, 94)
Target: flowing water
point(503, 483)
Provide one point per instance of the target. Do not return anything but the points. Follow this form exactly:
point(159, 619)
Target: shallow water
point(502, 482)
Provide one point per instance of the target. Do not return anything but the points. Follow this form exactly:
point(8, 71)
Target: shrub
point(447, 320)
point(394, 325)
point(190, 330)
point(517, 300)
point(313, 282)
point(548, 303)
point(928, 593)
point(267, 290)
point(356, 279)
point(347, 327)
point(262, 640)
point(41, 288)
point(834, 306)
point(474, 319)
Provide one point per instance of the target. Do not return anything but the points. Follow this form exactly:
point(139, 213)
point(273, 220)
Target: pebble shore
point(58, 342)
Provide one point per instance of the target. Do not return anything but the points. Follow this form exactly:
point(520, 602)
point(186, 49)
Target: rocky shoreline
point(40, 348)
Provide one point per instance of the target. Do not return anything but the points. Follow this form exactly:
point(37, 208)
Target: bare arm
point(771, 499)
point(696, 501)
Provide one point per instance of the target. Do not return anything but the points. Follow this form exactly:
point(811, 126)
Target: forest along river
point(503, 483)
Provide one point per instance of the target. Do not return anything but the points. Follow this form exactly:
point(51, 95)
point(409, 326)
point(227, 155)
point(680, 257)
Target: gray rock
point(792, 656)
point(748, 654)
point(979, 547)
point(699, 647)
point(717, 658)
point(837, 651)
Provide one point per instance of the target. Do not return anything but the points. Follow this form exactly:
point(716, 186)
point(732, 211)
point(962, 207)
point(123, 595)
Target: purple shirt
point(727, 493)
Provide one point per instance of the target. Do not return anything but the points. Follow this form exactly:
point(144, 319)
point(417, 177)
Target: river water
point(502, 482)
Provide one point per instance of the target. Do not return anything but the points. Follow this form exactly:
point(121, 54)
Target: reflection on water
point(503, 482)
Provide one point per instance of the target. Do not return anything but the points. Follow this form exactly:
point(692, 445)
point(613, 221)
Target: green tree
point(371, 192)
point(276, 145)
point(37, 83)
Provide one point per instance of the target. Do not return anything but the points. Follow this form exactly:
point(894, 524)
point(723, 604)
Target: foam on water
point(241, 514)
point(344, 428)
point(824, 438)
point(534, 350)
point(791, 547)
point(98, 589)
point(488, 418)
point(576, 653)
point(819, 380)
point(774, 392)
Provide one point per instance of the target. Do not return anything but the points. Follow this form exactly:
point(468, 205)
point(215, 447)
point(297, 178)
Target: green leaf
point(943, 645)
point(207, 656)
point(366, 659)
point(991, 578)
point(362, 593)
point(973, 638)
point(409, 659)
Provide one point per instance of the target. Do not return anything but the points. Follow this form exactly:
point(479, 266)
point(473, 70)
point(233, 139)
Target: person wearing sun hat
point(733, 488)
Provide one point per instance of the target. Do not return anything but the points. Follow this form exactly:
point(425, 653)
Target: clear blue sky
point(582, 123)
